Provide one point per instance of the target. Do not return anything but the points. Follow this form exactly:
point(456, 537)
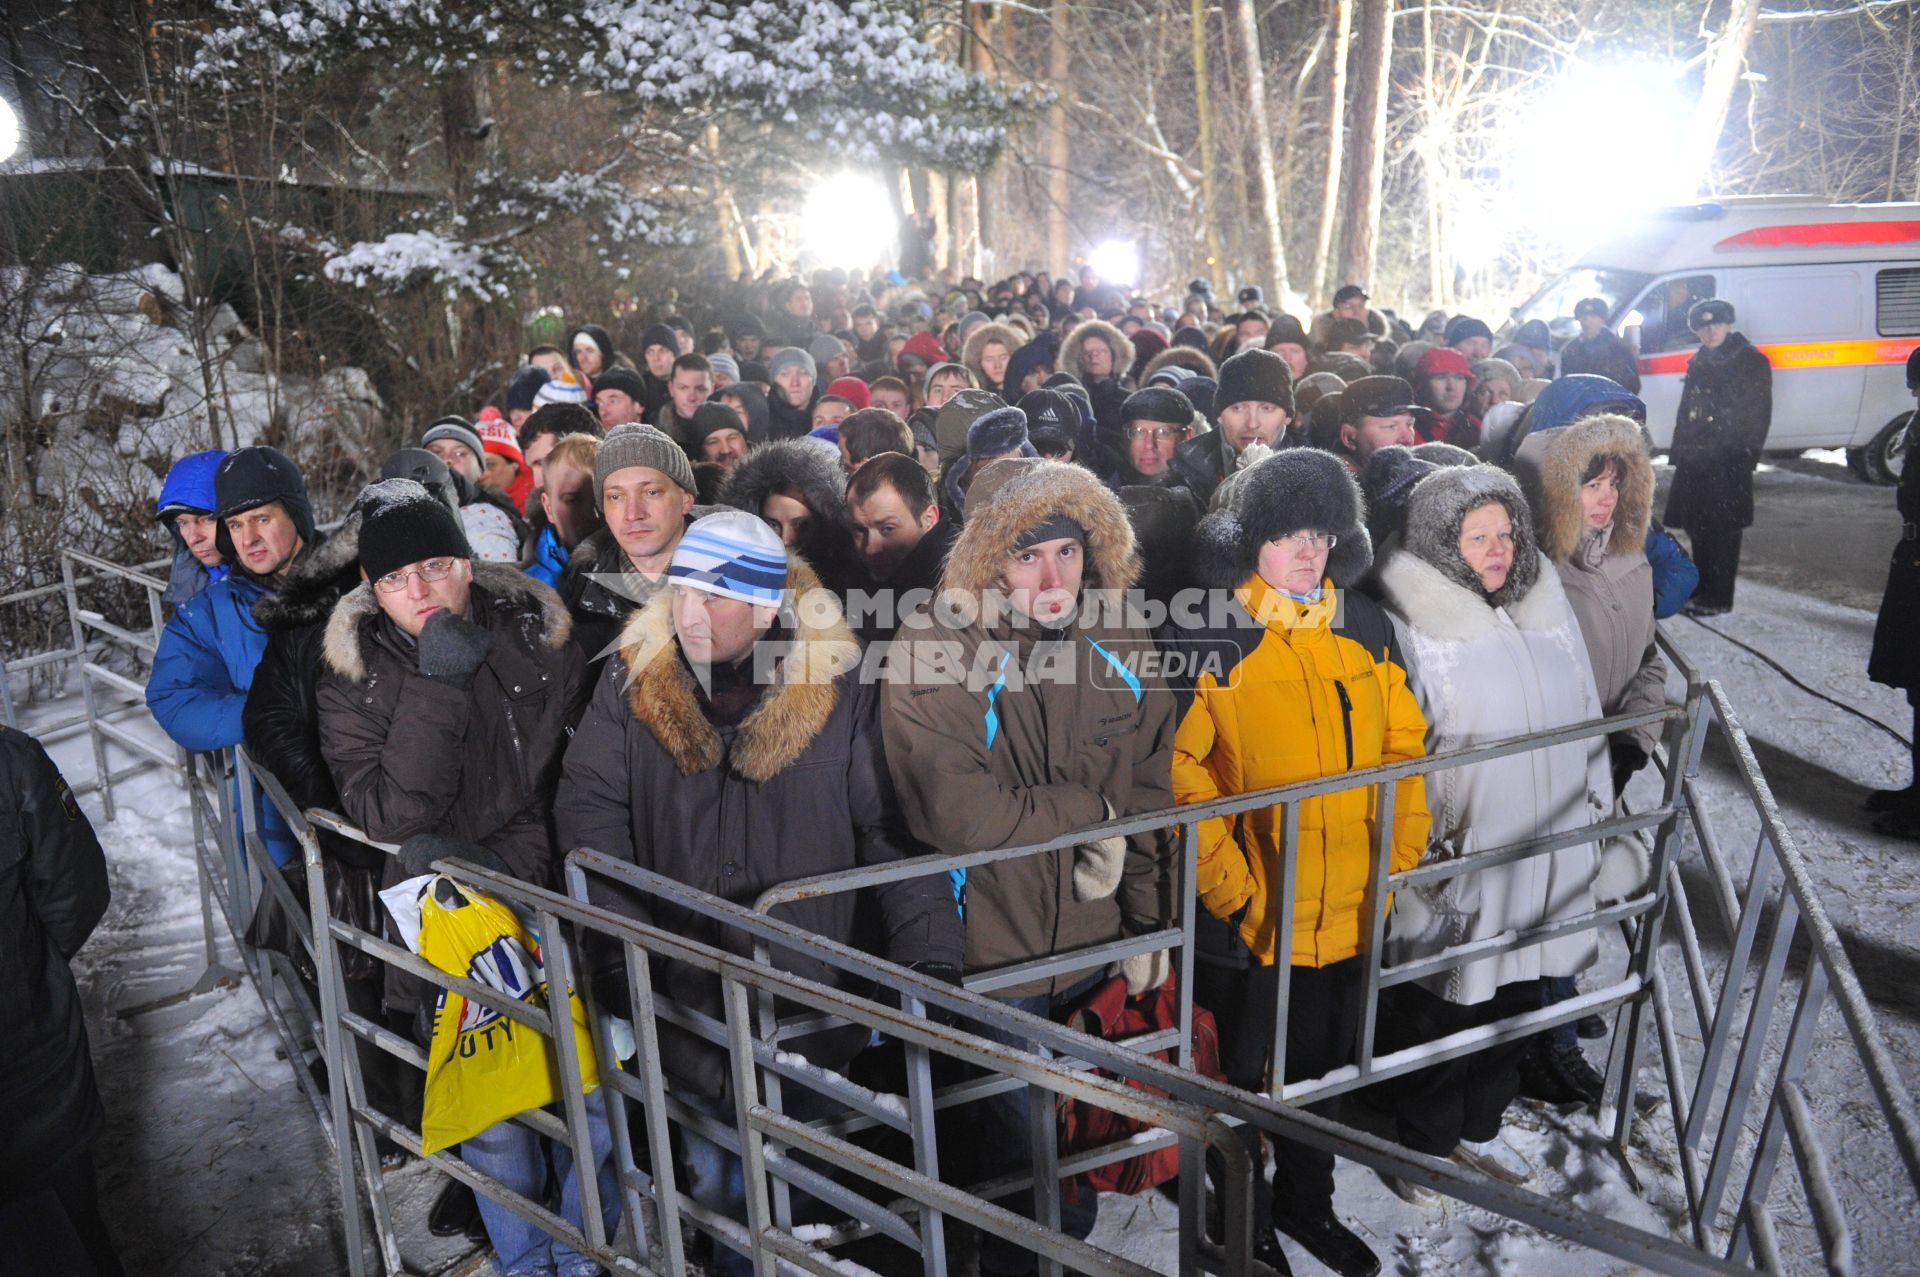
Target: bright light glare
point(1117, 261)
point(9, 132)
point(1601, 141)
point(849, 221)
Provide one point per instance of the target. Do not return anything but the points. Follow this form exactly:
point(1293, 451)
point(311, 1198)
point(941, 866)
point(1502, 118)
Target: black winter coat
point(1202, 465)
point(412, 754)
point(282, 716)
point(1896, 651)
point(597, 598)
point(1726, 409)
point(799, 787)
point(53, 892)
point(1605, 356)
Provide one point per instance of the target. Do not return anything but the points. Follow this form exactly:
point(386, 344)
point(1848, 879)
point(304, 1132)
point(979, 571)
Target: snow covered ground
point(213, 1165)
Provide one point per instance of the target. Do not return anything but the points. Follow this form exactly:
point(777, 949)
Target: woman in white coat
point(1493, 650)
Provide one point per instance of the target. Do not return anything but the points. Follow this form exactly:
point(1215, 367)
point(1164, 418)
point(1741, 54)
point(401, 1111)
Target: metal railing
point(1737, 1102)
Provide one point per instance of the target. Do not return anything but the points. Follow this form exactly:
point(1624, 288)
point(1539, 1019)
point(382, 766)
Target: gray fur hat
point(1294, 489)
point(800, 464)
point(1442, 501)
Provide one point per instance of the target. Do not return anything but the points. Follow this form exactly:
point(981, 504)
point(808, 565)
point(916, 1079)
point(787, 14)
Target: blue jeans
point(513, 1155)
point(1006, 1143)
point(716, 1178)
point(1558, 988)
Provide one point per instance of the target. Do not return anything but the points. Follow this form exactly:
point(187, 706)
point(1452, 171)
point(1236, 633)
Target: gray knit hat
point(722, 363)
point(791, 356)
point(456, 429)
point(640, 445)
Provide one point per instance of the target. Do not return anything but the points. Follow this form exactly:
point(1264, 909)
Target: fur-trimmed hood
point(1290, 490)
point(322, 577)
point(1439, 606)
point(1070, 349)
point(1198, 362)
point(1026, 500)
point(977, 340)
point(802, 463)
point(662, 695)
point(507, 589)
point(1551, 464)
point(1438, 507)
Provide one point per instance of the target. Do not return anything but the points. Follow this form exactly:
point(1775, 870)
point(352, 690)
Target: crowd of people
point(832, 583)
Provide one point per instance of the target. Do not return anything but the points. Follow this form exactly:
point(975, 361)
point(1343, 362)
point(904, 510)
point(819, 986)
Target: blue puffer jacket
point(189, 485)
point(201, 674)
point(1674, 575)
point(549, 558)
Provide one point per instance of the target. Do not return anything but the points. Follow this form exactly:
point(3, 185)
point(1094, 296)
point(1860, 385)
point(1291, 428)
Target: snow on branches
point(407, 258)
point(856, 80)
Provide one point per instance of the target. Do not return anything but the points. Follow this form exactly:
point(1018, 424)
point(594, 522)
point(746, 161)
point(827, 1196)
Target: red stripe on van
point(1802, 354)
point(1823, 234)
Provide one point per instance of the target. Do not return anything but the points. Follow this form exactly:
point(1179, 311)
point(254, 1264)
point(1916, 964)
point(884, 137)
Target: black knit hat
point(711, 417)
point(255, 477)
point(1285, 330)
point(1288, 491)
point(427, 470)
point(1461, 327)
point(1254, 376)
point(658, 335)
point(402, 523)
point(1050, 410)
point(1157, 403)
point(1201, 393)
point(624, 380)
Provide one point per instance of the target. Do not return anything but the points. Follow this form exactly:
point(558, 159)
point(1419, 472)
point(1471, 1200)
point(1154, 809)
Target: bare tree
point(1368, 140)
point(1273, 251)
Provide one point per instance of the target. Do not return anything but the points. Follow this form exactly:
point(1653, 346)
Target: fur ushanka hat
point(1295, 489)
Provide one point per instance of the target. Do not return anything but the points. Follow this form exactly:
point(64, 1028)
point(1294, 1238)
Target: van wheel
point(1885, 455)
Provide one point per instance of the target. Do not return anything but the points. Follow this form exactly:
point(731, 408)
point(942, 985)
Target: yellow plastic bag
point(482, 1067)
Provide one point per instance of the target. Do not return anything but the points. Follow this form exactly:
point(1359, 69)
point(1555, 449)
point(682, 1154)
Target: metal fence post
point(86, 685)
point(746, 1095)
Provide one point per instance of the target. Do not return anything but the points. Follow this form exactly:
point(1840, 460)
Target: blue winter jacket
point(1674, 575)
point(200, 678)
point(189, 485)
point(549, 559)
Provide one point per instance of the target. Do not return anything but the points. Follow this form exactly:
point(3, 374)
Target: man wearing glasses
point(1154, 422)
point(448, 693)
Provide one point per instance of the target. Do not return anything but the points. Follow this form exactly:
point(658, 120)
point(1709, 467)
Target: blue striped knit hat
point(733, 554)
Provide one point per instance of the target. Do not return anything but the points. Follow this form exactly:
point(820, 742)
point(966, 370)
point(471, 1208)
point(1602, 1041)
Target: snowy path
point(213, 1166)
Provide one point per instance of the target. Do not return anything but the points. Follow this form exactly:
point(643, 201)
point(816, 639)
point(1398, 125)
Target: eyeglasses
point(1159, 434)
point(431, 570)
point(1308, 541)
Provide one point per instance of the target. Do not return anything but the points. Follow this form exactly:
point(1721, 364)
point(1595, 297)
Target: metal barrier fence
point(1777, 900)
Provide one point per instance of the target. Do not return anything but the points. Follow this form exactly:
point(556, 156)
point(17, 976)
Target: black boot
point(1329, 1241)
point(454, 1212)
point(1266, 1250)
point(1558, 1075)
point(1892, 799)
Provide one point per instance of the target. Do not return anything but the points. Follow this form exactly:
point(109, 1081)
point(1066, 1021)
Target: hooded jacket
point(1486, 669)
point(798, 787)
point(1109, 392)
point(53, 892)
point(1283, 692)
point(189, 486)
point(813, 471)
point(1726, 409)
point(281, 716)
point(1605, 571)
point(1035, 733)
point(411, 754)
point(976, 344)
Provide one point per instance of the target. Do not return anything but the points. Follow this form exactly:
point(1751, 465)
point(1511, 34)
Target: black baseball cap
point(1348, 292)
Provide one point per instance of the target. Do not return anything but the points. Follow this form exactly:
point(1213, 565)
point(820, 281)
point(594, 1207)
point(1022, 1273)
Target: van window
point(1662, 313)
point(1897, 302)
point(1817, 305)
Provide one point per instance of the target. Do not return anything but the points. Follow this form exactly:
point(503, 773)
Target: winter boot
point(453, 1211)
point(1558, 1075)
point(1329, 1241)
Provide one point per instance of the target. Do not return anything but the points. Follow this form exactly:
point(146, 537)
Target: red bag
point(1109, 1013)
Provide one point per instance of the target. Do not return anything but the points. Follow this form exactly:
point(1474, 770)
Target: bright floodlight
point(1117, 261)
point(1603, 139)
point(849, 221)
point(9, 132)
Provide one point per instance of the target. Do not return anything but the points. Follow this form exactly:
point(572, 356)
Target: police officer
point(1896, 656)
point(1726, 408)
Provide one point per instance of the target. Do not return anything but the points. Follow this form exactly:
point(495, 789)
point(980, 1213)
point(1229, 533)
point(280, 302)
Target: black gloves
point(452, 648)
point(1627, 758)
point(417, 854)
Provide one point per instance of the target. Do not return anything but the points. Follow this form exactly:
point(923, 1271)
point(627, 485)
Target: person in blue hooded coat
point(185, 510)
point(208, 652)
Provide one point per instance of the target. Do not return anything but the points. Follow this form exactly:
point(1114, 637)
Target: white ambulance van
point(1830, 293)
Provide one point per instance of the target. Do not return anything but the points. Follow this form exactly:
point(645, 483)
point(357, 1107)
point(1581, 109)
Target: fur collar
point(1071, 348)
point(987, 537)
point(1550, 465)
point(1435, 604)
point(661, 693)
point(308, 595)
point(977, 341)
point(349, 630)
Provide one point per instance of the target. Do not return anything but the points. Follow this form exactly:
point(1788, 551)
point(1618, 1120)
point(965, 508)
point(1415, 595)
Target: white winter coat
point(1484, 674)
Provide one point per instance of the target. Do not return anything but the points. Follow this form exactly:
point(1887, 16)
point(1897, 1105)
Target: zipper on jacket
point(1346, 717)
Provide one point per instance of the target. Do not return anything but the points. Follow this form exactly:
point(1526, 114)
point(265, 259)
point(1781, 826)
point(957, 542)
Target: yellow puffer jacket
point(1291, 700)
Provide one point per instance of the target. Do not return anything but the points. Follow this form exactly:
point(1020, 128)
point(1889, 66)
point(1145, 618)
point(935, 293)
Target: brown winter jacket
point(414, 755)
point(1606, 574)
point(992, 758)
